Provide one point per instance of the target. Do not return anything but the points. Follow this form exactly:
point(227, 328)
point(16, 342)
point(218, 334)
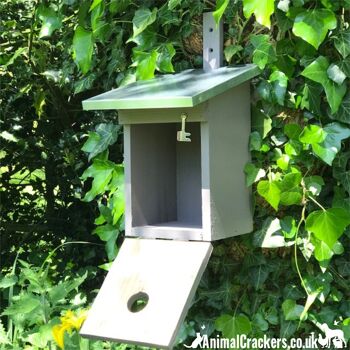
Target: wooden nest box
point(186, 144)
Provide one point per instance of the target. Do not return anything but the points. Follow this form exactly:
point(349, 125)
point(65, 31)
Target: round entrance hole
point(138, 302)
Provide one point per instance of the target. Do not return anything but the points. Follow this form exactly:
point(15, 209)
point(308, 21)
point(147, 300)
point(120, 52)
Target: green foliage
point(55, 54)
point(328, 225)
point(262, 10)
point(313, 25)
point(142, 19)
point(83, 48)
point(231, 326)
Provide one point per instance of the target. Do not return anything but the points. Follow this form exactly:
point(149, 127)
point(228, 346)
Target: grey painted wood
point(170, 115)
point(186, 89)
point(163, 182)
point(174, 230)
point(213, 38)
point(229, 129)
point(188, 176)
point(168, 272)
point(194, 190)
point(153, 173)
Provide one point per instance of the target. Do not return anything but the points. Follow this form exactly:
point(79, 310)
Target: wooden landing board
point(168, 272)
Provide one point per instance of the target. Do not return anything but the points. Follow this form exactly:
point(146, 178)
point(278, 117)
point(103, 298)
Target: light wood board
point(168, 272)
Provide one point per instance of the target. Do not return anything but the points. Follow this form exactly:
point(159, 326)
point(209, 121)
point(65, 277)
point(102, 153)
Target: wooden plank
point(168, 272)
point(186, 89)
point(229, 130)
point(213, 42)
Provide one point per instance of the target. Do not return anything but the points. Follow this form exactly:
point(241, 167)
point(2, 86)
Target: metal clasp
point(182, 135)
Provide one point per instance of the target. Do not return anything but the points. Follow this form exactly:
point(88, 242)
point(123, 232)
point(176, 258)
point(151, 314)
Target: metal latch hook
point(182, 135)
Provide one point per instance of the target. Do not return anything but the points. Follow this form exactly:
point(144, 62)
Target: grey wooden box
point(180, 196)
point(186, 190)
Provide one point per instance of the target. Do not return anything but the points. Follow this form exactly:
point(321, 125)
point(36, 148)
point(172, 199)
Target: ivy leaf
point(319, 284)
point(94, 4)
point(279, 83)
point(342, 42)
point(292, 131)
point(288, 226)
point(145, 40)
point(99, 27)
point(83, 48)
point(257, 275)
point(283, 161)
point(322, 251)
point(309, 301)
point(264, 52)
point(142, 19)
point(99, 140)
point(118, 204)
point(165, 54)
point(101, 171)
point(270, 191)
point(311, 99)
point(317, 70)
point(231, 326)
point(313, 25)
point(118, 6)
point(328, 225)
point(255, 141)
point(270, 235)
point(312, 134)
point(231, 50)
point(343, 113)
point(336, 74)
point(314, 184)
point(261, 122)
point(291, 310)
point(145, 63)
point(328, 149)
point(253, 174)
point(50, 20)
point(291, 192)
point(106, 232)
point(259, 321)
point(335, 94)
point(283, 5)
point(220, 9)
point(262, 9)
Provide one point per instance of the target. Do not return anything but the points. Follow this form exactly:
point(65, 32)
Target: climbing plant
point(288, 278)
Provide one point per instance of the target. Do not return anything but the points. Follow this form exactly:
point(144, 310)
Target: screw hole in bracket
point(211, 50)
point(211, 30)
point(138, 302)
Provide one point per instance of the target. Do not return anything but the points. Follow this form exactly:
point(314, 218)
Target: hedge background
point(61, 167)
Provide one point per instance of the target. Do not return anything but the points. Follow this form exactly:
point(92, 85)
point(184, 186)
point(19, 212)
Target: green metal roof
point(186, 89)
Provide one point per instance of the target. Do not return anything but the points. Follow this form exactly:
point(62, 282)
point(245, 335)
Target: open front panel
point(147, 292)
point(165, 181)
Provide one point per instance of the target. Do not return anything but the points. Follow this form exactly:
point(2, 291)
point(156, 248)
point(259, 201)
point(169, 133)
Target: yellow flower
point(74, 320)
point(69, 321)
point(58, 334)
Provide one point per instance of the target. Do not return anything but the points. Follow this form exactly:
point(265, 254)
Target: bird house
point(185, 147)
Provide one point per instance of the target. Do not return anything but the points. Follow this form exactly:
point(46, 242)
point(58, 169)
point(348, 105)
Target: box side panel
point(153, 173)
point(229, 130)
point(205, 166)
